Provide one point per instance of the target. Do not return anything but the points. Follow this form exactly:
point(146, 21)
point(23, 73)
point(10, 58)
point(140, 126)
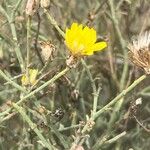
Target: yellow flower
point(32, 77)
point(82, 40)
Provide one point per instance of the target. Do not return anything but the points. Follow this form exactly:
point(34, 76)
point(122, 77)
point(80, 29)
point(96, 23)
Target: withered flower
point(45, 3)
point(140, 51)
point(48, 50)
point(31, 7)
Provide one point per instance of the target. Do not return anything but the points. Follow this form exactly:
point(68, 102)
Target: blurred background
point(69, 100)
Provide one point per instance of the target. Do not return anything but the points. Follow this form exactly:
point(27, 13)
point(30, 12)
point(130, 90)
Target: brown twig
point(36, 39)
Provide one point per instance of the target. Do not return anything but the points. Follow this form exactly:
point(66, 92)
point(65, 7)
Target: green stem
point(122, 94)
point(12, 82)
point(114, 139)
point(116, 99)
point(54, 23)
point(63, 72)
point(104, 141)
point(15, 9)
point(114, 115)
point(13, 78)
point(95, 92)
point(122, 43)
point(14, 34)
point(70, 127)
point(59, 136)
point(28, 46)
point(17, 48)
point(32, 126)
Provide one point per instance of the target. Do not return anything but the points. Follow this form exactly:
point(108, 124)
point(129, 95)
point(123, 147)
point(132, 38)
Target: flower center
point(78, 47)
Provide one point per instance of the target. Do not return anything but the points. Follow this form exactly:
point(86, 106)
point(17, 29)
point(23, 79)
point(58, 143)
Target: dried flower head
point(45, 3)
point(48, 50)
point(81, 40)
point(31, 79)
point(31, 7)
point(140, 52)
point(72, 61)
point(90, 124)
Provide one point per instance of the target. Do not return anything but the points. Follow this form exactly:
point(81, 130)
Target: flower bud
point(31, 7)
point(45, 3)
point(31, 80)
point(48, 50)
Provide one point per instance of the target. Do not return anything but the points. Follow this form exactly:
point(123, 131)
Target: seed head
point(139, 51)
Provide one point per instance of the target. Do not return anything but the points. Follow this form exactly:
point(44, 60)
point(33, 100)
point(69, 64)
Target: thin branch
point(122, 43)
point(36, 39)
point(25, 98)
point(122, 94)
point(32, 126)
point(147, 130)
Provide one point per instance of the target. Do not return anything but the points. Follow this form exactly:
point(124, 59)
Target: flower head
point(140, 51)
point(31, 79)
point(81, 40)
point(48, 50)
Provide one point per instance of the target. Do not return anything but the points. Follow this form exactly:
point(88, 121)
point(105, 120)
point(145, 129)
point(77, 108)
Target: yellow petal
point(81, 40)
point(24, 80)
point(89, 36)
point(87, 52)
point(99, 46)
point(67, 35)
point(92, 36)
point(33, 74)
point(74, 26)
point(70, 33)
point(32, 77)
